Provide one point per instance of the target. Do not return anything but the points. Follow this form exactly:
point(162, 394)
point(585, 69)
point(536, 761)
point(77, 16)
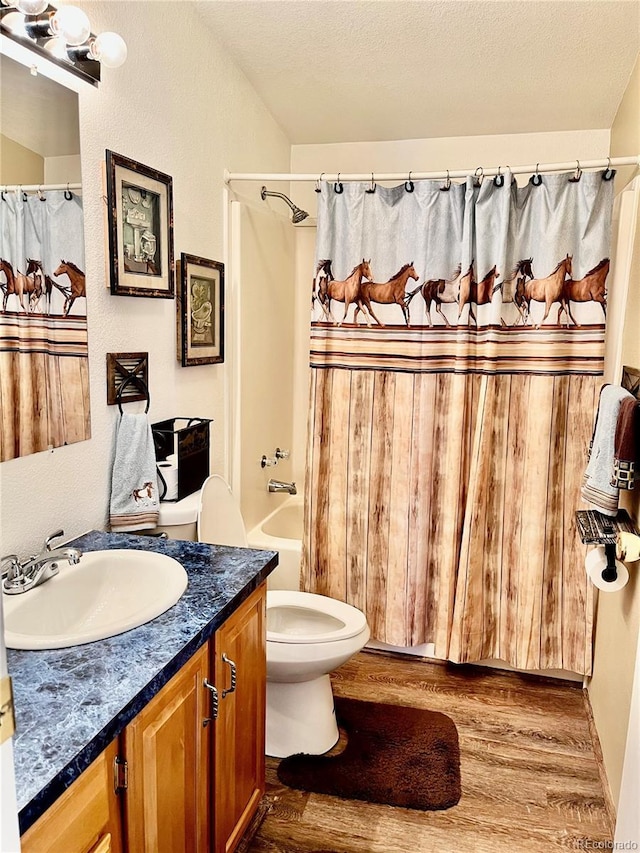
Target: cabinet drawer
point(85, 818)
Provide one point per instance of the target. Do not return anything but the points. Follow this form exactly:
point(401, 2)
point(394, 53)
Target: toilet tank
point(178, 520)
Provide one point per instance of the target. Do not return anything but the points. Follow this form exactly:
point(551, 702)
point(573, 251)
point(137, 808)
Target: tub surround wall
point(618, 615)
point(266, 293)
point(149, 110)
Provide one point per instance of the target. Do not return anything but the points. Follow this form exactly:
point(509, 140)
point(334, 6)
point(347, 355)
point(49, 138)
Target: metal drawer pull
point(234, 673)
point(214, 703)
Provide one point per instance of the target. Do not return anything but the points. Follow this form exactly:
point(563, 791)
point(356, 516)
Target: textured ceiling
point(355, 70)
point(37, 112)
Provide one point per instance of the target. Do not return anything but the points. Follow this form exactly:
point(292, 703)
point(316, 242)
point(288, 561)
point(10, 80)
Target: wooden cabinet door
point(238, 782)
point(85, 818)
point(167, 752)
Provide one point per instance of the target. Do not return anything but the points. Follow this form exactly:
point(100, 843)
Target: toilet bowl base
point(300, 717)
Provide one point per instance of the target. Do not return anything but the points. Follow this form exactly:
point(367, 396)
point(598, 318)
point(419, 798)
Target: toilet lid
point(304, 617)
point(219, 517)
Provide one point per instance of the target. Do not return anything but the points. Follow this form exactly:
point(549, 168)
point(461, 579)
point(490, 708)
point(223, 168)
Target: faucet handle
point(9, 566)
point(50, 538)
point(282, 454)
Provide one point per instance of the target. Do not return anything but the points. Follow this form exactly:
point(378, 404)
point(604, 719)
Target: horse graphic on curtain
point(44, 392)
point(446, 449)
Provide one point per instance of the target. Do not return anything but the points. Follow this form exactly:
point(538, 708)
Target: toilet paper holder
point(595, 528)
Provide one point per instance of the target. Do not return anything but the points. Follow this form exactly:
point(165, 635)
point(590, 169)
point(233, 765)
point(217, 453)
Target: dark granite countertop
point(71, 703)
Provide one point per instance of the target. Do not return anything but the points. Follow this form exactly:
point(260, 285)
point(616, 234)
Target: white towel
point(134, 486)
point(596, 487)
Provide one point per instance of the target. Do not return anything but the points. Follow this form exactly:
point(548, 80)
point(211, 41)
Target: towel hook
point(139, 381)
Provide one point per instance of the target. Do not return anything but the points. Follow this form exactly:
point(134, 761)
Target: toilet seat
point(304, 617)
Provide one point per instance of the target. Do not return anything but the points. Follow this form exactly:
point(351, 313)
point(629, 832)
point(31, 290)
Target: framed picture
point(140, 210)
point(200, 311)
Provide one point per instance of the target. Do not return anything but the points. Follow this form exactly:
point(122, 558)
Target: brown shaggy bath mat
point(399, 756)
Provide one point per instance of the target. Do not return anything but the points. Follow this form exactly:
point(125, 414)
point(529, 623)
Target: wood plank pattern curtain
point(445, 453)
point(44, 374)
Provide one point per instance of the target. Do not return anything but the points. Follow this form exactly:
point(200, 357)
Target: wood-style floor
point(530, 780)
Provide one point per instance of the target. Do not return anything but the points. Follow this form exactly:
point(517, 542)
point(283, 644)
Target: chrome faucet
point(281, 486)
point(23, 575)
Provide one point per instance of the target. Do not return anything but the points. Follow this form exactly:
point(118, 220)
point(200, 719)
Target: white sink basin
point(108, 592)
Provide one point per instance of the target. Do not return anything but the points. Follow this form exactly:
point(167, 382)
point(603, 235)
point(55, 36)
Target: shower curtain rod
point(633, 160)
point(33, 188)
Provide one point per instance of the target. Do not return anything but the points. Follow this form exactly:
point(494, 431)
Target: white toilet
point(308, 636)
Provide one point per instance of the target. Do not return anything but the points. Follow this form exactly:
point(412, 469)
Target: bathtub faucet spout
point(281, 486)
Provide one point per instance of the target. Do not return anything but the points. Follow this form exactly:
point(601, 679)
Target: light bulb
point(57, 48)
point(15, 23)
point(32, 7)
point(110, 49)
point(71, 24)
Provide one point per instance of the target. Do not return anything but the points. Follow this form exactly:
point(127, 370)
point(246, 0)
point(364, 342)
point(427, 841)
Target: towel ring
point(138, 380)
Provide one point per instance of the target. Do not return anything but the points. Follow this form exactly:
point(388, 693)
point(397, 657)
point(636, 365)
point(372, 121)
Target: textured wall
point(618, 615)
point(179, 105)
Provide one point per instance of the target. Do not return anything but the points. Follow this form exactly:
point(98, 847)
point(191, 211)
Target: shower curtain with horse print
point(44, 376)
point(457, 348)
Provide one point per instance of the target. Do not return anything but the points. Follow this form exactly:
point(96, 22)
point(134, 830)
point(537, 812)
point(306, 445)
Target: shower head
point(297, 214)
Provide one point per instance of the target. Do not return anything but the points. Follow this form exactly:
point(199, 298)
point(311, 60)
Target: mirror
point(39, 125)
point(43, 327)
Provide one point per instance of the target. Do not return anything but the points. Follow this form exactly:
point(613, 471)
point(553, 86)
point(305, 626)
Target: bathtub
point(281, 531)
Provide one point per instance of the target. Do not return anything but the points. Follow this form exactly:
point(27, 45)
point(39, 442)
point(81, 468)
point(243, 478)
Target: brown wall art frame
point(200, 308)
point(140, 211)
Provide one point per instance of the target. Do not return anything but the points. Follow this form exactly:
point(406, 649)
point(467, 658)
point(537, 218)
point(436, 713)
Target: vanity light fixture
point(63, 35)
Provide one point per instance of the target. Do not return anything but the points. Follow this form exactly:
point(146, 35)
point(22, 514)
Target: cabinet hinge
point(7, 714)
point(120, 774)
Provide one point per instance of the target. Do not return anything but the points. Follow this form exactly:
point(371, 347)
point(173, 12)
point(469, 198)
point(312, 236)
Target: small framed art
point(140, 211)
point(200, 311)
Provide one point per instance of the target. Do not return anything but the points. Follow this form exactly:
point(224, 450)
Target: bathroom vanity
point(152, 740)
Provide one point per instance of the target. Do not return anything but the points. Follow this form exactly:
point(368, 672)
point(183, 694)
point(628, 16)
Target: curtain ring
point(409, 185)
point(609, 173)
point(536, 178)
point(3, 193)
point(447, 184)
point(68, 194)
point(498, 181)
point(372, 188)
point(41, 195)
point(478, 177)
point(24, 195)
point(337, 187)
point(318, 187)
point(577, 174)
